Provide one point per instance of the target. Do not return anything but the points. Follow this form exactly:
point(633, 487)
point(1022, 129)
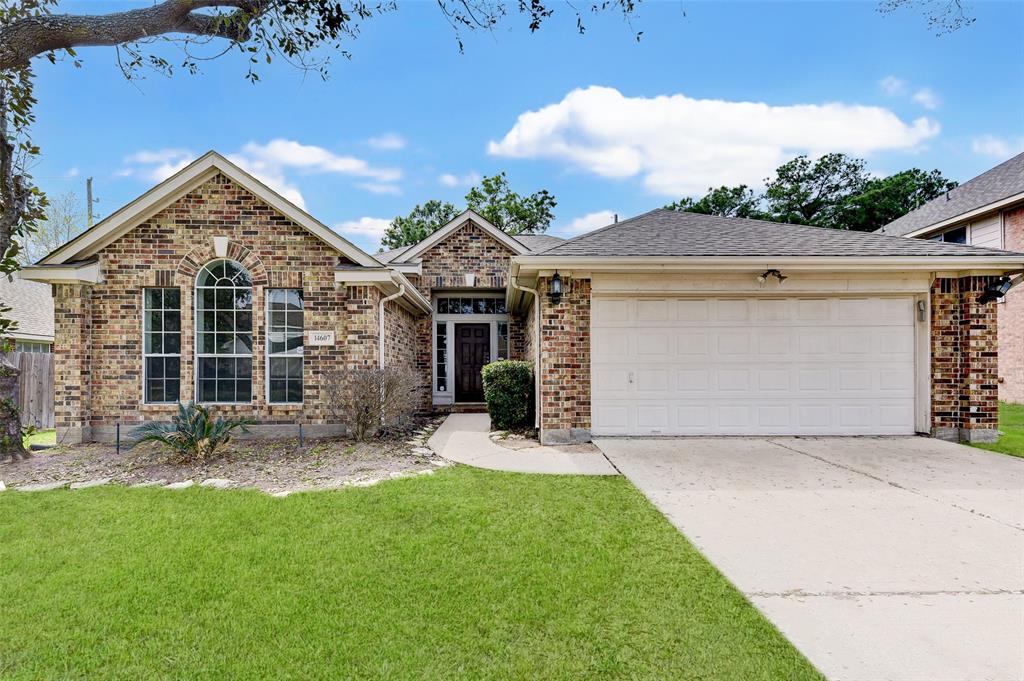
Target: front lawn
point(1011, 422)
point(463, 574)
point(41, 437)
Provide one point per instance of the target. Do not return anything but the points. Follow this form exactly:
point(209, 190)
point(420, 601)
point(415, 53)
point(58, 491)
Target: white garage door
point(753, 366)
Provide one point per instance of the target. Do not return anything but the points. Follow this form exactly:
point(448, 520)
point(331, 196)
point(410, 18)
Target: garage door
point(753, 366)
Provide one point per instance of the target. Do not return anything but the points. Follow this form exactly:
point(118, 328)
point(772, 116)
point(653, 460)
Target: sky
point(711, 94)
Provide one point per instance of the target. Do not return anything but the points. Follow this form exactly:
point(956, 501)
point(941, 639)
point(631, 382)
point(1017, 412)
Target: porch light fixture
point(996, 290)
point(764, 276)
point(555, 292)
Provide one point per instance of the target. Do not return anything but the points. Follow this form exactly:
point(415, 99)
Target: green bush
point(508, 389)
point(194, 434)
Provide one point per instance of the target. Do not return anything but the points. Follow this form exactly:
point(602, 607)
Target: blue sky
point(713, 93)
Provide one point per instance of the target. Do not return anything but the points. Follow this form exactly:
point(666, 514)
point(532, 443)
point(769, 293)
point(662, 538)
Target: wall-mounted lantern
point(555, 292)
point(996, 290)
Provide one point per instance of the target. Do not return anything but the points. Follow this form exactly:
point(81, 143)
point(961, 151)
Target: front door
point(472, 352)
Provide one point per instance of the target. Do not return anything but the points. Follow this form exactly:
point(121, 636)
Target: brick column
point(362, 330)
point(565, 362)
point(72, 308)
point(964, 369)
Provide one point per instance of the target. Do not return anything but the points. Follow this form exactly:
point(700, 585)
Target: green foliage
point(493, 199)
point(882, 200)
point(807, 192)
point(733, 202)
point(508, 390)
point(194, 434)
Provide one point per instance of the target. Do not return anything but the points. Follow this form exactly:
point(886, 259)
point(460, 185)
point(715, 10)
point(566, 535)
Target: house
point(987, 211)
point(31, 306)
point(213, 287)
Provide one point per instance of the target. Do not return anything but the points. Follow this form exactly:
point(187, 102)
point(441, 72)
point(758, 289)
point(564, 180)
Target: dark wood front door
point(472, 351)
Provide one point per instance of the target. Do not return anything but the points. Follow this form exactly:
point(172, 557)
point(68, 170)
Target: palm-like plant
point(194, 434)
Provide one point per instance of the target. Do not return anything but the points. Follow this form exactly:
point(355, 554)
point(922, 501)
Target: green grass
point(1011, 422)
point(41, 437)
point(465, 574)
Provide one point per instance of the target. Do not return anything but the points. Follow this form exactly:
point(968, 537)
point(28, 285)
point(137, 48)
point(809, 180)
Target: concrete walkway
point(882, 559)
point(463, 438)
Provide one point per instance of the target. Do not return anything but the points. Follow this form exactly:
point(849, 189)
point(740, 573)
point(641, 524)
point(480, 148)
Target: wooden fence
point(35, 387)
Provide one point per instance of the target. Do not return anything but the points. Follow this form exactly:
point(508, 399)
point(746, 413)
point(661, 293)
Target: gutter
point(536, 348)
point(380, 319)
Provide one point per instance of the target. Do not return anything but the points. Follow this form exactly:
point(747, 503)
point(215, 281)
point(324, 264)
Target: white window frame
point(147, 355)
point(282, 355)
point(198, 356)
point(450, 320)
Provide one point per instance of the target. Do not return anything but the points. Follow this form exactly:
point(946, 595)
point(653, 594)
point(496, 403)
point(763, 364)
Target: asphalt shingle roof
point(1005, 180)
point(31, 304)
point(676, 233)
point(537, 243)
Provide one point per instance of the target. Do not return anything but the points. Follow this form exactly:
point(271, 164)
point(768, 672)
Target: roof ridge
point(603, 229)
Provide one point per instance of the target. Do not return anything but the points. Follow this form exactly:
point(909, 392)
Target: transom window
point(284, 345)
point(471, 306)
point(224, 333)
point(161, 363)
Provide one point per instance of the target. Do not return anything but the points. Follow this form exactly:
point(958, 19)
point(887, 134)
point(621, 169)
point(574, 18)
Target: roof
point(31, 306)
point(538, 243)
point(669, 233)
point(466, 216)
point(388, 256)
point(1002, 182)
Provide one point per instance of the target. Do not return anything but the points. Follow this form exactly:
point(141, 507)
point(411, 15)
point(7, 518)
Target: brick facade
point(99, 329)
point(565, 362)
point(1011, 317)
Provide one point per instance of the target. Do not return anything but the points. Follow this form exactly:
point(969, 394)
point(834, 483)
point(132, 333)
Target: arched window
point(223, 333)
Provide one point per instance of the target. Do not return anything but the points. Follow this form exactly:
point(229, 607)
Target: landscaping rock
point(216, 483)
point(90, 483)
point(3, 487)
point(425, 451)
point(44, 486)
point(368, 482)
point(150, 483)
point(281, 494)
point(184, 484)
point(440, 463)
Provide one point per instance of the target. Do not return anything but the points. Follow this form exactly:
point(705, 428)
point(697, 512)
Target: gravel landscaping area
point(274, 466)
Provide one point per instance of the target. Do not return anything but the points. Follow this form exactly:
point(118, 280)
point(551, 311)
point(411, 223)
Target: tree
point(882, 200)
point(493, 199)
point(298, 31)
point(734, 202)
point(421, 222)
point(64, 219)
point(807, 192)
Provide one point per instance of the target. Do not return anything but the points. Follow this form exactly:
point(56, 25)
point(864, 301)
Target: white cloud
point(380, 188)
point(71, 172)
point(366, 226)
point(389, 141)
point(892, 86)
point(282, 153)
point(450, 180)
point(990, 145)
point(156, 165)
point(926, 98)
point(682, 146)
point(588, 222)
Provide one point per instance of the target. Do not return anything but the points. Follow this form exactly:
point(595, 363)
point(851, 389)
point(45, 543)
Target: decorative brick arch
point(190, 265)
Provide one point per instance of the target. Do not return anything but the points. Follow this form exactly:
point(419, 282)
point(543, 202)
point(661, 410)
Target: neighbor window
point(224, 333)
point(284, 345)
point(957, 235)
point(161, 364)
point(33, 347)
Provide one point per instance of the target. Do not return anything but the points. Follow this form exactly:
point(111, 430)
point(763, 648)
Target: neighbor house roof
point(539, 242)
point(1003, 183)
point(669, 233)
point(31, 306)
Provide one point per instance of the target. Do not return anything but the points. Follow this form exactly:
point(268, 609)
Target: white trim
point(202, 169)
point(388, 281)
point(409, 268)
point(450, 320)
point(962, 217)
point(195, 337)
point(88, 273)
point(456, 224)
point(145, 371)
point(266, 347)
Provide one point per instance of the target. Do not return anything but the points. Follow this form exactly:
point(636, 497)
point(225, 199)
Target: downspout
point(536, 348)
point(380, 341)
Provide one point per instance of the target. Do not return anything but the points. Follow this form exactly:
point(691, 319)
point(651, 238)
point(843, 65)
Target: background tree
point(64, 219)
point(807, 192)
point(733, 202)
point(882, 200)
point(493, 199)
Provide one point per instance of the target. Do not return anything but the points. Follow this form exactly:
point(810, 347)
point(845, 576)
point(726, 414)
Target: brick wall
point(965, 353)
point(1011, 317)
point(565, 362)
point(168, 250)
point(71, 348)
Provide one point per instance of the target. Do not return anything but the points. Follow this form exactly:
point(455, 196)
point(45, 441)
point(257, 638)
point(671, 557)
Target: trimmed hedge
point(508, 389)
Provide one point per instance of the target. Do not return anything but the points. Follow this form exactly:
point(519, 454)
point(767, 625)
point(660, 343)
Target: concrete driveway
point(879, 558)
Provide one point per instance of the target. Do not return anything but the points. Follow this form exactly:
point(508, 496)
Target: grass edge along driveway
point(464, 574)
point(1011, 423)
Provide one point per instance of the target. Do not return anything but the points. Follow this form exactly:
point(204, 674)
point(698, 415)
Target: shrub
point(508, 389)
point(371, 402)
point(194, 434)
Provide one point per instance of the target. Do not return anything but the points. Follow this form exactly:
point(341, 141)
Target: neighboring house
point(986, 211)
point(31, 306)
point(212, 287)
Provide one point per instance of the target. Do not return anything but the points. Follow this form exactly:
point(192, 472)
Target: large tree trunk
point(11, 445)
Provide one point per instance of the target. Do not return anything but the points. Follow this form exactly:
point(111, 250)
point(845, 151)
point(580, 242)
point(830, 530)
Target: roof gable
point(178, 185)
point(440, 235)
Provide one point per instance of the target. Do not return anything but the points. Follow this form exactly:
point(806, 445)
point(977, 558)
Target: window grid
point(224, 331)
point(284, 345)
point(476, 305)
point(161, 333)
point(442, 357)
